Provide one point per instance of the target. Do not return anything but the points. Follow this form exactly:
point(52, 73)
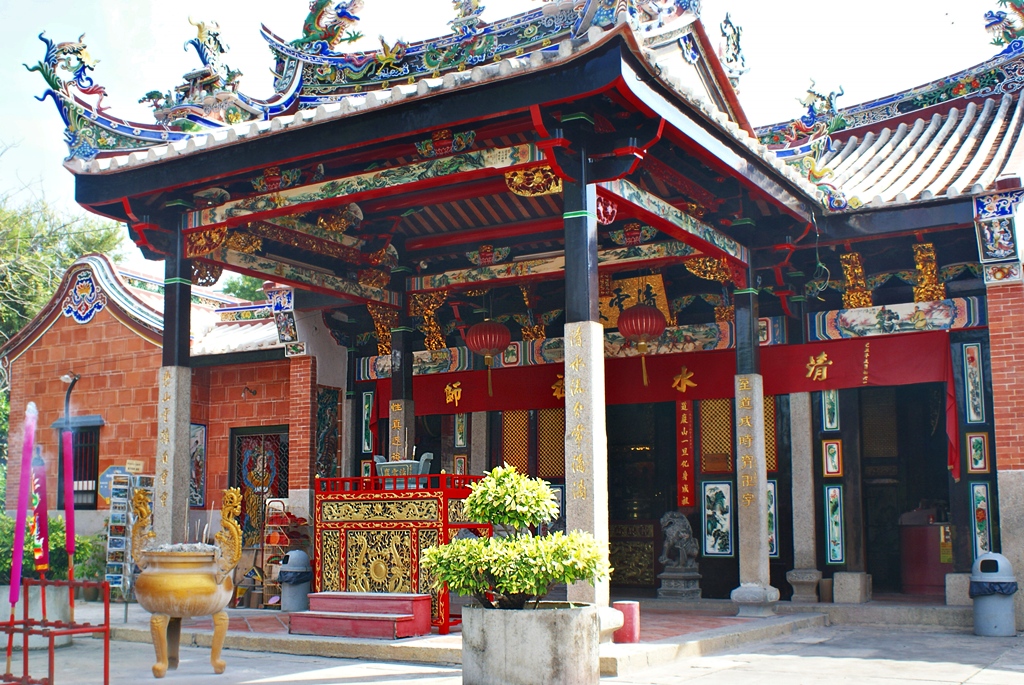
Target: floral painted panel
point(835, 552)
point(974, 384)
point(717, 518)
point(327, 400)
point(773, 519)
point(982, 531)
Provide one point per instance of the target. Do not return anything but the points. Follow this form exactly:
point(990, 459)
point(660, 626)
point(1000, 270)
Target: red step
point(364, 614)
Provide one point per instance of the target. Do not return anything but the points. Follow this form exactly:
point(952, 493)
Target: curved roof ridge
point(865, 167)
point(857, 153)
point(907, 158)
point(953, 151)
point(964, 169)
point(1001, 159)
point(921, 154)
point(888, 161)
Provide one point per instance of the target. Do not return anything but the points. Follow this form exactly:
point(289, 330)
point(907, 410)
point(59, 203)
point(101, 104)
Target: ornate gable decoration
point(85, 298)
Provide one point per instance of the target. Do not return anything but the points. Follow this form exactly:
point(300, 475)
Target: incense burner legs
point(166, 632)
point(220, 631)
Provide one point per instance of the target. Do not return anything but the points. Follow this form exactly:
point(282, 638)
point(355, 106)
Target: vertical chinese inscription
point(746, 475)
point(397, 430)
point(684, 463)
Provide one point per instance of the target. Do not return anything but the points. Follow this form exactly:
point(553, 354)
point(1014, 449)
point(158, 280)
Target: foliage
point(245, 288)
point(58, 555)
point(37, 245)
point(510, 570)
point(93, 567)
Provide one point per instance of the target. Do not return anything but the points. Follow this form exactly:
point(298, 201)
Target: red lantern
point(488, 338)
point(642, 324)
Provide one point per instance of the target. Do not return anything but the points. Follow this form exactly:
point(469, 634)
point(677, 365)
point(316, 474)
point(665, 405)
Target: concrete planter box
point(555, 644)
point(57, 609)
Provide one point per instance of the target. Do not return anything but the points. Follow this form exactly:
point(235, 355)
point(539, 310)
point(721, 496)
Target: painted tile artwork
point(982, 527)
point(997, 239)
point(460, 430)
point(974, 384)
point(832, 458)
point(773, 519)
point(367, 430)
point(197, 455)
point(834, 550)
point(830, 410)
point(908, 317)
point(977, 453)
point(717, 518)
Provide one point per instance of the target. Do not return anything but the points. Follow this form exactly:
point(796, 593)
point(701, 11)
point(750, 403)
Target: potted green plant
point(509, 574)
point(95, 565)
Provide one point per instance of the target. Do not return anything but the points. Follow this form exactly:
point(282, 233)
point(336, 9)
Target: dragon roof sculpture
point(311, 71)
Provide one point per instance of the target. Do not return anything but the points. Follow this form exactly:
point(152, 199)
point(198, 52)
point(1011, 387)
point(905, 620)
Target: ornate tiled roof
point(952, 137)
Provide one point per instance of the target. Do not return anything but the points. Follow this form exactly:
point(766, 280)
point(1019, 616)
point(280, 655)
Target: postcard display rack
point(119, 554)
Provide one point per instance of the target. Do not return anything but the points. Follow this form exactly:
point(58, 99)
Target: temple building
point(555, 241)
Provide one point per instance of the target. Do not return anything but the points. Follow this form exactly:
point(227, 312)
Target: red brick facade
point(1006, 340)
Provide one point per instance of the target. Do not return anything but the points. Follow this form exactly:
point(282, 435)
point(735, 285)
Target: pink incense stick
point(69, 491)
point(24, 496)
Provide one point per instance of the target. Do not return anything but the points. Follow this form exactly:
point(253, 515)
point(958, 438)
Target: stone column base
point(755, 600)
point(805, 584)
point(679, 585)
point(851, 588)
point(958, 587)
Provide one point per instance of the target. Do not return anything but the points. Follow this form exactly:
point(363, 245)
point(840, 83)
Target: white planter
point(554, 644)
point(57, 609)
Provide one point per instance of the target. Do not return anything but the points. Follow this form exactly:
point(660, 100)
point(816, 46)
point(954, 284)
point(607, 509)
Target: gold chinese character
point(163, 477)
point(396, 425)
point(165, 415)
point(746, 403)
point(747, 481)
point(684, 476)
point(685, 487)
point(163, 457)
point(166, 397)
point(578, 432)
point(396, 440)
point(577, 338)
point(396, 406)
point(579, 490)
point(575, 387)
point(817, 367)
point(558, 388)
point(684, 451)
point(684, 464)
point(163, 499)
point(166, 377)
point(748, 498)
point(577, 363)
point(683, 381)
point(579, 465)
point(577, 409)
point(453, 393)
point(747, 461)
point(165, 437)
point(746, 441)
point(684, 418)
point(396, 456)
point(684, 431)
point(745, 422)
point(744, 384)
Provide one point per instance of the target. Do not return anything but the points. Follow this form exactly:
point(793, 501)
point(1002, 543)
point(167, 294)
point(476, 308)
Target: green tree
point(245, 288)
point(37, 245)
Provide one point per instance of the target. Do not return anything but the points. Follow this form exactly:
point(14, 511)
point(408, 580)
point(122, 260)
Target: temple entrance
point(905, 483)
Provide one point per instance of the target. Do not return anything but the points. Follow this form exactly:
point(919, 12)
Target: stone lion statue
point(679, 549)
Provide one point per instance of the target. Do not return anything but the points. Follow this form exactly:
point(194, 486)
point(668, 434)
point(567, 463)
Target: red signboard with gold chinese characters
point(684, 465)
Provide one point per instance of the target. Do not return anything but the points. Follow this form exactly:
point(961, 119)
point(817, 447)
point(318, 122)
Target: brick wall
point(1006, 340)
point(118, 371)
point(302, 448)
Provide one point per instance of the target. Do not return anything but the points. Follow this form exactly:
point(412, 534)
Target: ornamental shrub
point(58, 555)
point(515, 567)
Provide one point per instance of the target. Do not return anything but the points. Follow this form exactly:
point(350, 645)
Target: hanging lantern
point(488, 338)
point(641, 324)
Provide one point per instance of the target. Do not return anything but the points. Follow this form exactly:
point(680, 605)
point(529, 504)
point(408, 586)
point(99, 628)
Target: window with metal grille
point(86, 450)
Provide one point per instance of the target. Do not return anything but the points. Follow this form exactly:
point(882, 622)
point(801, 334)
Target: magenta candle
point(69, 491)
point(24, 496)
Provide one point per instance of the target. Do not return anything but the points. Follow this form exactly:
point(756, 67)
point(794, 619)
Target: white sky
point(871, 48)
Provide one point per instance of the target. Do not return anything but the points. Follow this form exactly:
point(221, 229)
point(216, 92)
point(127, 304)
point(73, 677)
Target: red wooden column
point(301, 434)
point(1006, 343)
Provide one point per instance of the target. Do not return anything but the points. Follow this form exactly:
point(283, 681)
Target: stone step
point(357, 624)
point(371, 602)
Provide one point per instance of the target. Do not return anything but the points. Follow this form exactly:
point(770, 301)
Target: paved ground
point(840, 655)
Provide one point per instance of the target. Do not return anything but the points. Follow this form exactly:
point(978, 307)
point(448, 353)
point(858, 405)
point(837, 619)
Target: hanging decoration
point(856, 293)
point(488, 339)
point(928, 288)
point(607, 210)
point(708, 268)
point(539, 180)
point(384, 319)
point(205, 275)
point(641, 324)
point(425, 305)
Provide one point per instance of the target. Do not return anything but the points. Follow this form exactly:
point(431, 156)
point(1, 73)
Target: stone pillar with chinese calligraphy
point(586, 444)
point(401, 416)
point(174, 405)
point(755, 595)
point(804, 575)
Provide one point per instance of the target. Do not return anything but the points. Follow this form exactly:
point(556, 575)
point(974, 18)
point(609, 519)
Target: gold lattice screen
point(515, 440)
point(715, 435)
point(771, 452)
point(551, 443)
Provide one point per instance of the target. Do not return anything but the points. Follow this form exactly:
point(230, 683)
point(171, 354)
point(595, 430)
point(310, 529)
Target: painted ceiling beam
point(551, 267)
point(480, 235)
point(312, 279)
point(377, 182)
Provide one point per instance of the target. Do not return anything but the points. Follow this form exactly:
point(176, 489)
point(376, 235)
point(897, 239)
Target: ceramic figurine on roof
point(730, 53)
point(1005, 28)
point(328, 25)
